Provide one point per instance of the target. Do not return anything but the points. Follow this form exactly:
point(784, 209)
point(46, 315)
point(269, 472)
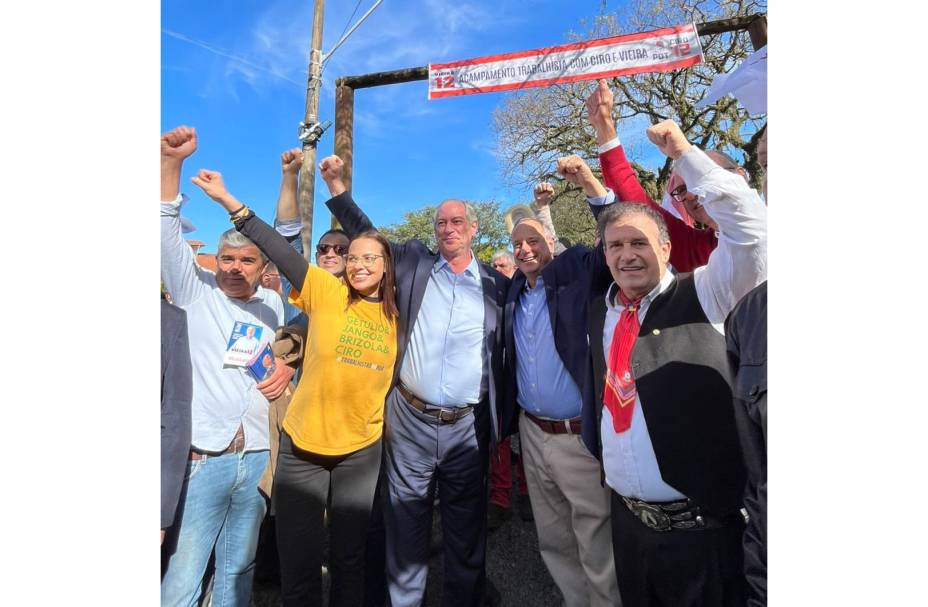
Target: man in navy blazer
point(441, 415)
point(547, 359)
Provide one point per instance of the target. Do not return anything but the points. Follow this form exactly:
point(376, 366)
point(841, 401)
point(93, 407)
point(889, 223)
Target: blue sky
point(239, 76)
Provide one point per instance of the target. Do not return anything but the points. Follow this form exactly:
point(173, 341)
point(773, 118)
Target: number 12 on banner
point(444, 82)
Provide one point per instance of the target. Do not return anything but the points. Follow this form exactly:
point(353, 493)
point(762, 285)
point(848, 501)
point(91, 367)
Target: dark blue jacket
point(413, 263)
point(567, 282)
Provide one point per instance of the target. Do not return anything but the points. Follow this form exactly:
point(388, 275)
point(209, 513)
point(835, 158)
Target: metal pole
point(308, 171)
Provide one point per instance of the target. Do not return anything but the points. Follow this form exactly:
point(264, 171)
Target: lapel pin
point(656, 331)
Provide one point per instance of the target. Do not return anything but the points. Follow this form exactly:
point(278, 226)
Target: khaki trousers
point(572, 515)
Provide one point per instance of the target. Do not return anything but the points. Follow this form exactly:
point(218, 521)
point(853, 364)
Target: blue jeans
point(222, 508)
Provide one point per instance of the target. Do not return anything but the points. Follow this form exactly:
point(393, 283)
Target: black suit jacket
point(413, 263)
point(176, 394)
point(682, 376)
point(567, 283)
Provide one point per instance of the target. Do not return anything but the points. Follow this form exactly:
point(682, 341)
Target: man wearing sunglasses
point(682, 203)
point(332, 246)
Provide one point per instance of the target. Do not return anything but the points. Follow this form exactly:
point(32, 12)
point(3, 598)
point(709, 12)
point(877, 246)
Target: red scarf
point(619, 393)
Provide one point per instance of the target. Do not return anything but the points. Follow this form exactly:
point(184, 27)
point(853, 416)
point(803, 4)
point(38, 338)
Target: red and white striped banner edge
point(662, 50)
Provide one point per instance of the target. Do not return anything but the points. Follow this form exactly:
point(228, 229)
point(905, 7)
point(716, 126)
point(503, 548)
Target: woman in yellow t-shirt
point(330, 448)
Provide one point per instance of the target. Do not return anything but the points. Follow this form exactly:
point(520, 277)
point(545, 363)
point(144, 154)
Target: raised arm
point(273, 245)
point(287, 208)
point(544, 194)
point(739, 263)
point(352, 219)
point(182, 277)
point(691, 247)
point(617, 172)
point(577, 172)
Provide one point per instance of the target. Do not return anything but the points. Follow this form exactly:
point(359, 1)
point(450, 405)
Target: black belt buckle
point(652, 516)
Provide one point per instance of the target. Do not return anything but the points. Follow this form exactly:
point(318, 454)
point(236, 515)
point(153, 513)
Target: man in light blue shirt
point(441, 414)
point(545, 320)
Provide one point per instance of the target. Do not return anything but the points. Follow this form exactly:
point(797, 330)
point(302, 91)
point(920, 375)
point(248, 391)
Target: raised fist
point(668, 137)
point(212, 185)
point(291, 161)
point(544, 194)
point(574, 170)
point(179, 143)
point(599, 105)
point(331, 168)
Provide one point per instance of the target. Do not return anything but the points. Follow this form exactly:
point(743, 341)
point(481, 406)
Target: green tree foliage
point(491, 231)
point(537, 126)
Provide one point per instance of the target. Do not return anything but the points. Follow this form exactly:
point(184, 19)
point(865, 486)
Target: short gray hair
point(544, 229)
point(235, 239)
point(504, 253)
point(619, 211)
point(470, 212)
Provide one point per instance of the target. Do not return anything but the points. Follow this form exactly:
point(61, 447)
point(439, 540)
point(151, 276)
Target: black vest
point(682, 377)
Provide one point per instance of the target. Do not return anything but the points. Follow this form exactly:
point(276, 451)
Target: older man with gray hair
point(547, 356)
point(441, 412)
point(504, 263)
point(221, 506)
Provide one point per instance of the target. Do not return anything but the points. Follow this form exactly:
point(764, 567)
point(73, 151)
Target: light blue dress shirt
point(444, 359)
point(546, 388)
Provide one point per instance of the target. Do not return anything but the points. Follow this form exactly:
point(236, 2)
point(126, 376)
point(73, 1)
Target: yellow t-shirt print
point(347, 369)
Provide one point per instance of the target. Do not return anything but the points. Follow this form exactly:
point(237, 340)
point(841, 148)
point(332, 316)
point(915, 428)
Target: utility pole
point(311, 130)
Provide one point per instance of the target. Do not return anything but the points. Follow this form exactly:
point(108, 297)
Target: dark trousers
point(375, 557)
point(303, 485)
point(677, 568)
point(420, 455)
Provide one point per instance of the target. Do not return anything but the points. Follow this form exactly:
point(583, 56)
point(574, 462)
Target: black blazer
point(176, 394)
point(685, 387)
point(413, 263)
point(567, 283)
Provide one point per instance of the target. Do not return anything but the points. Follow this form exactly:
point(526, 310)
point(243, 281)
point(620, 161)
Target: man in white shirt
point(661, 392)
point(221, 506)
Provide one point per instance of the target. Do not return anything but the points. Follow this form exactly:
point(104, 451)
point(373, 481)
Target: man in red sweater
point(691, 246)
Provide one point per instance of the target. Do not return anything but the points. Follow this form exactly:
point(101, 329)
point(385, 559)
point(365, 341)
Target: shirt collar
point(613, 292)
point(539, 285)
point(472, 268)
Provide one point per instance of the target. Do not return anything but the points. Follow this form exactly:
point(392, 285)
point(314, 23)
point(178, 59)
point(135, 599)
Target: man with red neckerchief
point(661, 389)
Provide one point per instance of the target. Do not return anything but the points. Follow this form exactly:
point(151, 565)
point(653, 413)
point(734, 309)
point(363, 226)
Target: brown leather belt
point(562, 426)
point(236, 446)
point(444, 415)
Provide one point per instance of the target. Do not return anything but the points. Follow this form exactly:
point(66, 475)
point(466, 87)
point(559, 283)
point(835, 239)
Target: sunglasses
point(340, 249)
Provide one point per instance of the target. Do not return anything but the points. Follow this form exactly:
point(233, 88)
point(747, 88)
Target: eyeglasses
point(340, 249)
point(678, 192)
point(365, 260)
